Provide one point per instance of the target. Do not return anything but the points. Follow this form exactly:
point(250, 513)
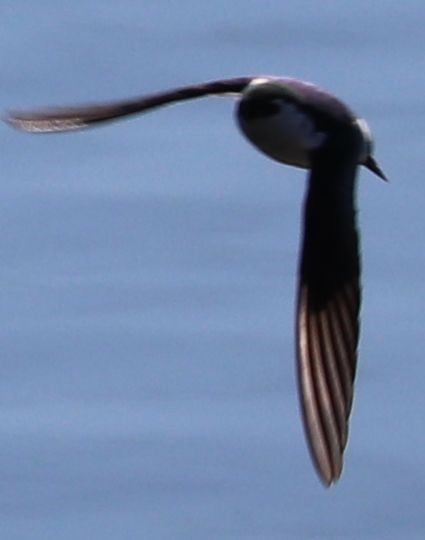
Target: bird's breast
point(287, 136)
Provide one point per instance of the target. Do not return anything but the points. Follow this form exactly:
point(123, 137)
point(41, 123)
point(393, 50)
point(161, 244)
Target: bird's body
point(299, 124)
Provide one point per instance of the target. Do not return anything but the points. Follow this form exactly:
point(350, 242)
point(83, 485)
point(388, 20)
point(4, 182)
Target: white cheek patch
point(367, 138)
point(259, 81)
point(298, 126)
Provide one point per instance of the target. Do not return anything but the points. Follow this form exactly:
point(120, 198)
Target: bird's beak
point(371, 164)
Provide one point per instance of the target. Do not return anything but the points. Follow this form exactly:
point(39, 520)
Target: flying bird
point(295, 123)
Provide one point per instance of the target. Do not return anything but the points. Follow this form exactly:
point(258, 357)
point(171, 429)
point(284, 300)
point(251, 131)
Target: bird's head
point(367, 158)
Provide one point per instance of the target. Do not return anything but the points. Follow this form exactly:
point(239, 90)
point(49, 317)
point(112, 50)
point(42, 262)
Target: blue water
point(148, 270)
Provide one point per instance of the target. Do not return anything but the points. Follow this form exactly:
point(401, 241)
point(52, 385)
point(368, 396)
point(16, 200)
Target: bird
point(294, 123)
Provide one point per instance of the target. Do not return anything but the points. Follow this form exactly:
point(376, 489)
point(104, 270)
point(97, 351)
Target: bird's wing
point(328, 311)
point(72, 118)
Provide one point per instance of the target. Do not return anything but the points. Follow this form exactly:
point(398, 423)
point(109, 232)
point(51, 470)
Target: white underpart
point(288, 136)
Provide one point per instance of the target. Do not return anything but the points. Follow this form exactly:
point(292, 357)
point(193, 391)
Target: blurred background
point(148, 278)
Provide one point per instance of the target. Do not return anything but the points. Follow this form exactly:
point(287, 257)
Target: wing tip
point(328, 467)
point(330, 477)
point(326, 446)
point(11, 119)
point(33, 123)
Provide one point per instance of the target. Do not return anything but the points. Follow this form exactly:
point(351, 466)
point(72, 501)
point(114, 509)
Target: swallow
point(295, 123)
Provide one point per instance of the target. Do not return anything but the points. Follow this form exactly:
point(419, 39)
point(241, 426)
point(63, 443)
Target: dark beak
point(371, 164)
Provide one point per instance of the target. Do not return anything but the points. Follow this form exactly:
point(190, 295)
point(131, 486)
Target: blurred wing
point(71, 118)
point(328, 310)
